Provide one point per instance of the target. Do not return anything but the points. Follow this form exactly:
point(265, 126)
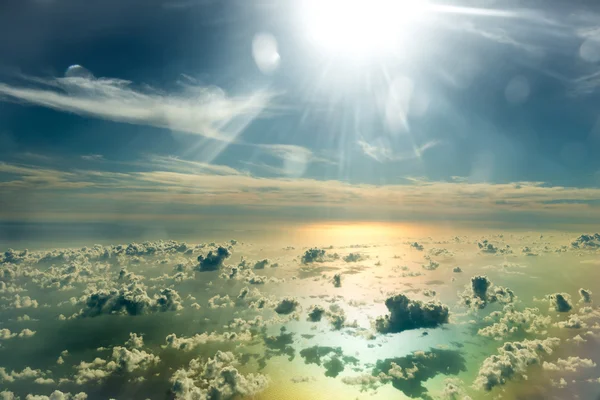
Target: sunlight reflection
point(354, 232)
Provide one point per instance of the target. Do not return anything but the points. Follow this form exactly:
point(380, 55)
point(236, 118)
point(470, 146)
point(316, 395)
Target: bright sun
point(360, 28)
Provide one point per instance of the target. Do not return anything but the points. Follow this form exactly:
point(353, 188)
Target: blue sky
point(486, 110)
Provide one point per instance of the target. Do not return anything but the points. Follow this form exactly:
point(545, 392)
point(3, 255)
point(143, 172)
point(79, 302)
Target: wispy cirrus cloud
point(205, 111)
point(382, 152)
point(175, 164)
point(92, 157)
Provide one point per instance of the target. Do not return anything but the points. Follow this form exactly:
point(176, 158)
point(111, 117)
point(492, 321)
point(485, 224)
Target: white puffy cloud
point(481, 291)
point(58, 395)
point(586, 295)
point(6, 395)
point(314, 255)
point(560, 302)
point(571, 364)
point(577, 339)
point(511, 321)
point(135, 341)
point(287, 305)
point(408, 314)
point(454, 390)
point(130, 299)
point(121, 360)
point(512, 361)
point(26, 373)
point(24, 302)
point(6, 334)
point(199, 339)
point(315, 313)
point(587, 242)
point(218, 301)
point(574, 322)
point(26, 333)
point(216, 378)
point(213, 260)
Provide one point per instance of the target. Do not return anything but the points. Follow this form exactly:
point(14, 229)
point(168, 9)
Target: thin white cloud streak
point(584, 85)
point(382, 153)
point(176, 164)
point(474, 11)
point(499, 35)
point(293, 152)
point(204, 111)
point(93, 157)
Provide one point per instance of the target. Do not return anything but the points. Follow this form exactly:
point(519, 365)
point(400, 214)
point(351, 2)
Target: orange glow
point(351, 232)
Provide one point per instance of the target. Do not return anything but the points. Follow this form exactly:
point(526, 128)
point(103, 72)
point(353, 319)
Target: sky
point(478, 111)
point(300, 199)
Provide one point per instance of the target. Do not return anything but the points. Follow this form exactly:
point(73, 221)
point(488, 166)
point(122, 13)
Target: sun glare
point(360, 28)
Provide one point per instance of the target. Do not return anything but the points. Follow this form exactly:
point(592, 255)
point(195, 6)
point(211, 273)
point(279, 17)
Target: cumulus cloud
point(218, 301)
point(261, 264)
point(453, 390)
point(287, 305)
point(353, 257)
point(571, 364)
point(122, 360)
point(6, 395)
point(481, 291)
point(25, 373)
point(123, 279)
point(6, 334)
point(24, 302)
point(217, 378)
point(586, 295)
point(574, 322)
point(337, 280)
point(315, 313)
point(431, 265)
point(417, 246)
point(213, 260)
point(408, 314)
point(58, 395)
point(199, 339)
point(577, 339)
point(130, 299)
point(487, 247)
point(560, 302)
point(511, 321)
point(313, 255)
point(336, 316)
point(26, 333)
point(587, 242)
point(244, 271)
point(512, 361)
point(135, 341)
